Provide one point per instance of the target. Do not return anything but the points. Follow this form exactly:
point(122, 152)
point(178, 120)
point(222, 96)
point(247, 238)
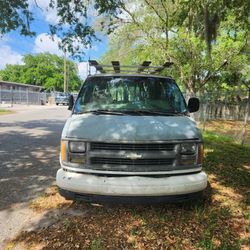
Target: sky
point(13, 46)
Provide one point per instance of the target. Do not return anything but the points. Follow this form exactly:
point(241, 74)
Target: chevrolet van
point(131, 138)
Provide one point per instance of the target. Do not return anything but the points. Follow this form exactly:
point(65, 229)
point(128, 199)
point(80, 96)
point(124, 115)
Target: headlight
point(77, 147)
point(188, 148)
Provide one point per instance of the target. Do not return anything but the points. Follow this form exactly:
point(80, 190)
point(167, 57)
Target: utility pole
point(88, 67)
point(65, 86)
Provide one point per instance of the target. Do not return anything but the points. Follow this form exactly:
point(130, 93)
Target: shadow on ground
point(228, 162)
point(29, 155)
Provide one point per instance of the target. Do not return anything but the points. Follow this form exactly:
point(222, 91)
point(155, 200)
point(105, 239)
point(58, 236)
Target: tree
point(73, 26)
point(157, 31)
point(158, 26)
point(202, 17)
point(43, 70)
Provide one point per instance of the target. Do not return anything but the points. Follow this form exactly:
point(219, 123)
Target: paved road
point(29, 149)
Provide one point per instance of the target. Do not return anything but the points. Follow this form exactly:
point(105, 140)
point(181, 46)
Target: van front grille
point(131, 165)
point(132, 146)
point(133, 162)
point(132, 157)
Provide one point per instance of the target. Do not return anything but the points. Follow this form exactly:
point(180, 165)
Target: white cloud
point(49, 14)
point(44, 43)
point(9, 56)
point(83, 70)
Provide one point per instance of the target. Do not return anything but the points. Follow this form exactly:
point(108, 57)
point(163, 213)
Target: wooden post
point(244, 132)
point(11, 96)
point(65, 87)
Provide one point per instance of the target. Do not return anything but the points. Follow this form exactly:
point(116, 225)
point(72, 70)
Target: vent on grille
point(132, 147)
point(129, 165)
point(137, 162)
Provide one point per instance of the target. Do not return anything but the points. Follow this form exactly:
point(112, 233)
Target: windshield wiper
point(130, 112)
point(101, 112)
point(149, 112)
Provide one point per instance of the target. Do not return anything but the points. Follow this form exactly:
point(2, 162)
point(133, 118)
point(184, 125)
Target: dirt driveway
point(29, 151)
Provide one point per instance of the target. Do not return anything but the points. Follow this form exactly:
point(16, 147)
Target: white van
point(130, 138)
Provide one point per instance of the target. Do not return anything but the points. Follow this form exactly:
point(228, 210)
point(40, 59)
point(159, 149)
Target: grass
point(229, 129)
point(96, 245)
point(6, 112)
point(218, 221)
point(49, 200)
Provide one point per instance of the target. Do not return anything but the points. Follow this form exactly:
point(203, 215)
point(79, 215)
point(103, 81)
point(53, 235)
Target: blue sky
point(13, 46)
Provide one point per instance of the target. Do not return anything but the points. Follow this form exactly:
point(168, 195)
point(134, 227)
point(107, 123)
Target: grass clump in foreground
point(51, 199)
point(219, 221)
point(6, 112)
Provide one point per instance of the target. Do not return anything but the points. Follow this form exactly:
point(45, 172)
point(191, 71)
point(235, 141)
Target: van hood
point(118, 128)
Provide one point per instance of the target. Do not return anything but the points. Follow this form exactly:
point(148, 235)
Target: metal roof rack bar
point(122, 71)
point(127, 66)
point(144, 65)
point(161, 68)
point(98, 66)
point(116, 66)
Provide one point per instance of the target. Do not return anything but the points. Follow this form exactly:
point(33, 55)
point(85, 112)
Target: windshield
point(130, 94)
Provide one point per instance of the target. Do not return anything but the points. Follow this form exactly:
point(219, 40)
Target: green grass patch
point(6, 112)
point(227, 160)
point(209, 136)
point(96, 244)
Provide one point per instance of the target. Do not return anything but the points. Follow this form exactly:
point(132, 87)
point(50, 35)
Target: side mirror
point(71, 102)
point(193, 104)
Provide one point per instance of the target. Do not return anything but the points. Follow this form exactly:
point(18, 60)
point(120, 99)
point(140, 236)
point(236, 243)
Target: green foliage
point(202, 18)
point(73, 25)
point(159, 31)
point(43, 70)
point(15, 15)
point(196, 35)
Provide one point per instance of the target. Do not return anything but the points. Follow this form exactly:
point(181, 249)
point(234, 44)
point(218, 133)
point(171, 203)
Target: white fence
point(221, 106)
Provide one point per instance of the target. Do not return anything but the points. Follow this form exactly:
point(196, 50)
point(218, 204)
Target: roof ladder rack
point(97, 66)
point(117, 68)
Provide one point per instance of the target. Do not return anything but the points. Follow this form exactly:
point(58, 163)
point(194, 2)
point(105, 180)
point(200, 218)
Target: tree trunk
point(207, 31)
point(244, 130)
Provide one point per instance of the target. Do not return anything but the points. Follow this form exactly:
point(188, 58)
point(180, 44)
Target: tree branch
point(35, 1)
point(209, 76)
point(156, 12)
point(138, 24)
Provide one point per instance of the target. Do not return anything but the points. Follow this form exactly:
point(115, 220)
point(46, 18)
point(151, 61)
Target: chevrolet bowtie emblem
point(133, 156)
